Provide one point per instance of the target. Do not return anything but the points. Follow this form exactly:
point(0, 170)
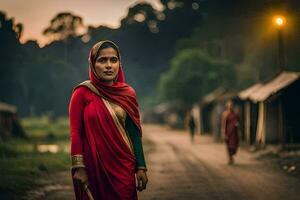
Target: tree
point(63, 26)
point(242, 33)
point(193, 74)
point(10, 53)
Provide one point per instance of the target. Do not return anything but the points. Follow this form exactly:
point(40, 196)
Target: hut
point(205, 111)
point(9, 123)
point(164, 113)
point(250, 113)
point(278, 110)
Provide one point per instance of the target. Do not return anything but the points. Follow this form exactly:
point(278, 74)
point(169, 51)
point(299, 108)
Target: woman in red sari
point(106, 149)
point(230, 122)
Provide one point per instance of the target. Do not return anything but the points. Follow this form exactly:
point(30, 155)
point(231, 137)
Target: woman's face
point(107, 65)
point(229, 105)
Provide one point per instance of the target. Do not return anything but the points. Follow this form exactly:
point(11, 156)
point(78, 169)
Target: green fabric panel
point(134, 134)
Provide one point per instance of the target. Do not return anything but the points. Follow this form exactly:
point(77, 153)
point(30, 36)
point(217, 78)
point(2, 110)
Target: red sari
point(231, 131)
point(109, 161)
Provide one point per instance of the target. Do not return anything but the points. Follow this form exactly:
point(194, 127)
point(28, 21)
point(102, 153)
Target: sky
point(35, 15)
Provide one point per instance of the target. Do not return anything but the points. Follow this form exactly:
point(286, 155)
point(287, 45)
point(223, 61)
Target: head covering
point(94, 53)
point(119, 92)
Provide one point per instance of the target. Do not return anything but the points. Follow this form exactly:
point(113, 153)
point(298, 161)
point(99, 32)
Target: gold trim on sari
point(89, 85)
point(119, 125)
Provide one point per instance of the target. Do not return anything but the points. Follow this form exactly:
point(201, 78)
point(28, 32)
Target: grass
point(22, 162)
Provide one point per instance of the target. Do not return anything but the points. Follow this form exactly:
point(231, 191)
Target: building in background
point(10, 125)
point(278, 110)
point(250, 113)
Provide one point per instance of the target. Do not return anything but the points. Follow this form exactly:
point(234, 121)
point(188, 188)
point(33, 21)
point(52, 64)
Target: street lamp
point(280, 22)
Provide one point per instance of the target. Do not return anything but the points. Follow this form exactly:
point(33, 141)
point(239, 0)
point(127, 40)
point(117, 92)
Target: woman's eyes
point(104, 60)
point(114, 59)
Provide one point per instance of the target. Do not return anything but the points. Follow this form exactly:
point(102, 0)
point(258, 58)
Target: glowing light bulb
point(279, 20)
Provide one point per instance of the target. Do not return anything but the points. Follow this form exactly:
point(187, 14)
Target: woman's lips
point(108, 73)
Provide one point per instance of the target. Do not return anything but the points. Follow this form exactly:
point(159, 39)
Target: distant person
point(230, 122)
point(191, 125)
point(106, 147)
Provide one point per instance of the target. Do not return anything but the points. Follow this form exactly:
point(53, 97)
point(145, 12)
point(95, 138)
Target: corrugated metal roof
point(4, 107)
point(272, 87)
point(244, 94)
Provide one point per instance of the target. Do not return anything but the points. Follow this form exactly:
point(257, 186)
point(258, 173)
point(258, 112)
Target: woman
point(106, 148)
point(230, 122)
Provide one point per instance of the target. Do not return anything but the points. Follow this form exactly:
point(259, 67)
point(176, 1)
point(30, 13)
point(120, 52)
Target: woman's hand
point(80, 176)
point(142, 179)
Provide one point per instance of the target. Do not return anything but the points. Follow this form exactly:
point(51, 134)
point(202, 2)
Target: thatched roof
point(4, 107)
point(212, 96)
point(244, 94)
point(274, 86)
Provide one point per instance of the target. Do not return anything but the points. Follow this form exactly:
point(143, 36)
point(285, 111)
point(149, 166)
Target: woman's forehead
point(108, 52)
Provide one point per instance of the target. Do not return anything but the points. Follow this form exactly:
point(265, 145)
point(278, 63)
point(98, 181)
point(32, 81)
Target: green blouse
point(133, 133)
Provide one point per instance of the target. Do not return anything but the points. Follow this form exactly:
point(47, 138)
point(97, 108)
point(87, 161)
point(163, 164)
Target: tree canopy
point(63, 26)
point(214, 39)
point(192, 74)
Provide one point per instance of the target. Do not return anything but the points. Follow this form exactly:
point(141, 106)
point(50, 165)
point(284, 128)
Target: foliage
point(193, 74)
point(243, 33)
point(237, 31)
point(63, 26)
point(21, 162)
point(147, 39)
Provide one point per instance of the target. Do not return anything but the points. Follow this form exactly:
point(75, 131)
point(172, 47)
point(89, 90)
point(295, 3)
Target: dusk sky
point(35, 15)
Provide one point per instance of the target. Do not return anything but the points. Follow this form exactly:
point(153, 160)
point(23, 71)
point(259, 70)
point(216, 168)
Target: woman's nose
point(108, 64)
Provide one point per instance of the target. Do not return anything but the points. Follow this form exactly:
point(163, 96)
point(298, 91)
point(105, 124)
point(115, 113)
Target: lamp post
point(280, 22)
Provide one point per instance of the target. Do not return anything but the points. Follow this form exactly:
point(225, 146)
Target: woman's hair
point(108, 45)
point(100, 46)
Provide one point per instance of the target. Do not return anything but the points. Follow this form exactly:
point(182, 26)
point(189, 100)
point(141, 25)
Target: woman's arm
point(223, 125)
point(76, 109)
point(135, 137)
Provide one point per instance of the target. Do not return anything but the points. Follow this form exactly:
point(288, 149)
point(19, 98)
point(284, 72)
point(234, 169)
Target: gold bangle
point(77, 161)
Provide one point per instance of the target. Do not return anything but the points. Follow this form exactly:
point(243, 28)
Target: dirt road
point(179, 170)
